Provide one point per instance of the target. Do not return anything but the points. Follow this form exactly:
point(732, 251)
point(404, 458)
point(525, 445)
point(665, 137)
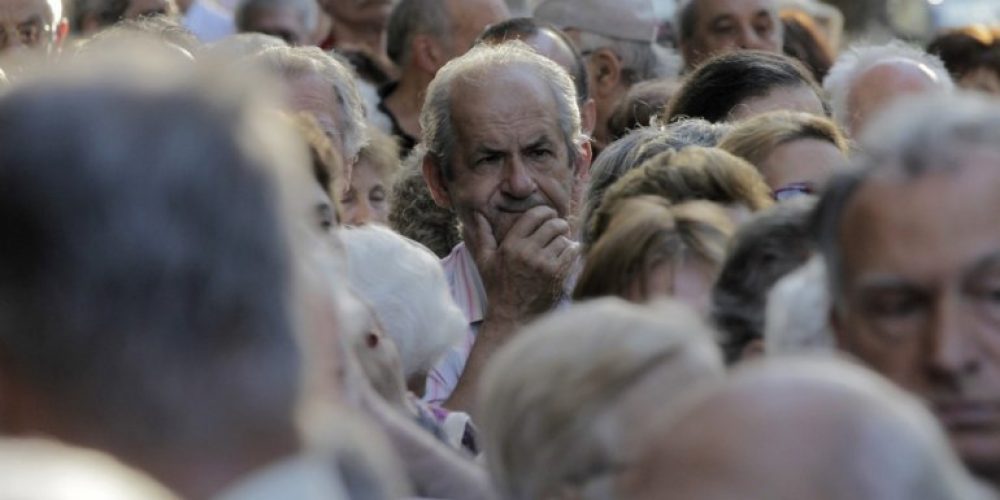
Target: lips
point(968, 415)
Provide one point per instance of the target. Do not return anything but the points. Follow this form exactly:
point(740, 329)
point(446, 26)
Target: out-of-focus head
point(236, 47)
point(867, 78)
point(367, 198)
point(327, 171)
point(912, 249)
point(31, 26)
point(163, 30)
point(405, 286)
point(40, 469)
point(293, 21)
point(323, 86)
point(92, 16)
point(643, 103)
point(972, 56)
point(708, 28)
point(567, 403)
point(502, 135)
point(359, 12)
point(797, 316)
point(806, 41)
point(423, 35)
point(693, 173)
point(739, 85)
point(414, 214)
point(773, 243)
point(774, 429)
point(797, 153)
point(653, 250)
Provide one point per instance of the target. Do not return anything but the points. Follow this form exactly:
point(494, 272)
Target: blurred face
point(921, 295)
point(723, 26)
point(798, 98)
point(283, 22)
point(26, 24)
point(689, 281)
point(470, 18)
point(367, 200)
point(804, 162)
point(510, 153)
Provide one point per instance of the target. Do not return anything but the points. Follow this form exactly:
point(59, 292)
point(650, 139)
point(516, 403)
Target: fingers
point(483, 243)
point(530, 221)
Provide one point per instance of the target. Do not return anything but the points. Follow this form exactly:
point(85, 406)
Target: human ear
point(607, 68)
point(434, 178)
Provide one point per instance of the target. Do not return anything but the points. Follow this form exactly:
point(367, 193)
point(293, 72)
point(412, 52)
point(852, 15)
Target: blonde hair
point(382, 153)
point(646, 231)
point(755, 139)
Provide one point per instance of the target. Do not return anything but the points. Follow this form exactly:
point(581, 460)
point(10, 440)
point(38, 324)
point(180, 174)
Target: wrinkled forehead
point(501, 95)
point(21, 11)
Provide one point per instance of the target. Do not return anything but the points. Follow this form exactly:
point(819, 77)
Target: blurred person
point(414, 214)
point(910, 243)
point(327, 171)
point(569, 402)
point(865, 79)
point(797, 316)
point(290, 20)
point(806, 42)
point(358, 25)
point(772, 244)
point(653, 250)
point(693, 173)
point(618, 40)
point(643, 103)
point(423, 36)
point(40, 469)
point(709, 28)
point(972, 56)
point(92, 16)
point(553, 43)
point(633, 150)
point(505, 151)
point(740, 85)
point(366, 200)
point(158, 28)
point(36, 26)
point(796, 153)
point(773, 430)
point(238, 46)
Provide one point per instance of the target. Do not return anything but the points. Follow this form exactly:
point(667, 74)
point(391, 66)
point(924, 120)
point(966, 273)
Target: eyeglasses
point(794, 190)
point(29, 34)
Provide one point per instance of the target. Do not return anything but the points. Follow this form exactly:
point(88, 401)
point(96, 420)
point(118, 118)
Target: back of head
point(774, 429)
point(797, 316)
point(151, 266)
point(641, 105)
point(806, 42)
point(410, 18)
point(719, 85)
point(565, 404)
point(966, 50)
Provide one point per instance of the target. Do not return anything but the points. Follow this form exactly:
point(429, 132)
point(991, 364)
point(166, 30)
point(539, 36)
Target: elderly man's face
point(26, 24)
point(728, 25)
point(921, 294)
point(510, 153)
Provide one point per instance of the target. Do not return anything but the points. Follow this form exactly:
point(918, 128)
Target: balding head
point(807, 428)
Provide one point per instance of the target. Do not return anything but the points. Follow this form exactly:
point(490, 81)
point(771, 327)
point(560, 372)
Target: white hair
point(857, 60)
point(405, 285)
point(291, 62)
point(798, 312)
point(562, 403)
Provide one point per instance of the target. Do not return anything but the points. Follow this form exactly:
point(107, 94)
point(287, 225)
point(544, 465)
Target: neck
point(407, 99)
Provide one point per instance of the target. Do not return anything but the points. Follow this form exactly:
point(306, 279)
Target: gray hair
point(640, 60)
point(561, 402)
point(917, 136)
point(857, 60)
point(294, 62)
point(797, 317)
point(410, 297)
point(411, 18)
point(435, 118)
point(308, 11)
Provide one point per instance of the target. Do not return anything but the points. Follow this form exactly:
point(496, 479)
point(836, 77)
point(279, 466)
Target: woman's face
point(367, 199)
point(803, 162)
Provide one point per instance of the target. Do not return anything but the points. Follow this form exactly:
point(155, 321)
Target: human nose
point(952, 355)
point(518, 182)
point(750, 39)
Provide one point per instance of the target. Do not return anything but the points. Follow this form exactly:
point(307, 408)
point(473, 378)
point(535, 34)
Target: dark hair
point(643, 102)
point(725, 81)
point(805, 42)
point(966, 49)
point(144, 274)
point(521, 28)
point(772, 244)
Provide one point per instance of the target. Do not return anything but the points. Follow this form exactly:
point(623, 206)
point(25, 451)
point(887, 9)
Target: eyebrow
point(985, 264)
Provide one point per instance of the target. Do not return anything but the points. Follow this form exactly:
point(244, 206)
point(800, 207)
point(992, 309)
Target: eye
point(539, 153)
point(723, 28)
point(488, 159)
point(377, 194)
point(894, 305)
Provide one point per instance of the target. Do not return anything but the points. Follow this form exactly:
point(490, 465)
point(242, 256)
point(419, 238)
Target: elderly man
point(423, 36)
point(708, 28)
point(31, 24)
point(504, 151)
point(293, 21)
point(797, 429)
point(618, 41)
point(866, 79)
point(912, 248)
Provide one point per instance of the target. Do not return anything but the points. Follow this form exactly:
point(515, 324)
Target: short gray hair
point(855, 61)
point(552, 404)
point(411, 18)
point(797, 317)
point(912, 139)
point(292, 62)
point(435, 118)
point(308, 11)
point(640, 60)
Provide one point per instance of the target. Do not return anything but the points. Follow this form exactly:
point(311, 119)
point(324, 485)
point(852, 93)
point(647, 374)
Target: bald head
point(776, 430)
point(883, 83)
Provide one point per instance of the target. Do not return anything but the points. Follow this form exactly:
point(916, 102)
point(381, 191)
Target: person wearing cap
point(618, 41)
point(708, 28)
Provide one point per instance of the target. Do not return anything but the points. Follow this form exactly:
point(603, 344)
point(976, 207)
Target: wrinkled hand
point(524, 273)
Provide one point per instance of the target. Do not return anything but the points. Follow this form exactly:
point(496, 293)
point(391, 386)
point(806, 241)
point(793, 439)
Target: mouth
point(959, 415)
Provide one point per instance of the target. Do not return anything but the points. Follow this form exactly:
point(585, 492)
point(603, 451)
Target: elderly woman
point(565, 405)
point(796, 153)
point(652, 249)
point(367, 199)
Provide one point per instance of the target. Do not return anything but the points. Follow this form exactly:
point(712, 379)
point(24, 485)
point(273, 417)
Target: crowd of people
point(477, 249)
